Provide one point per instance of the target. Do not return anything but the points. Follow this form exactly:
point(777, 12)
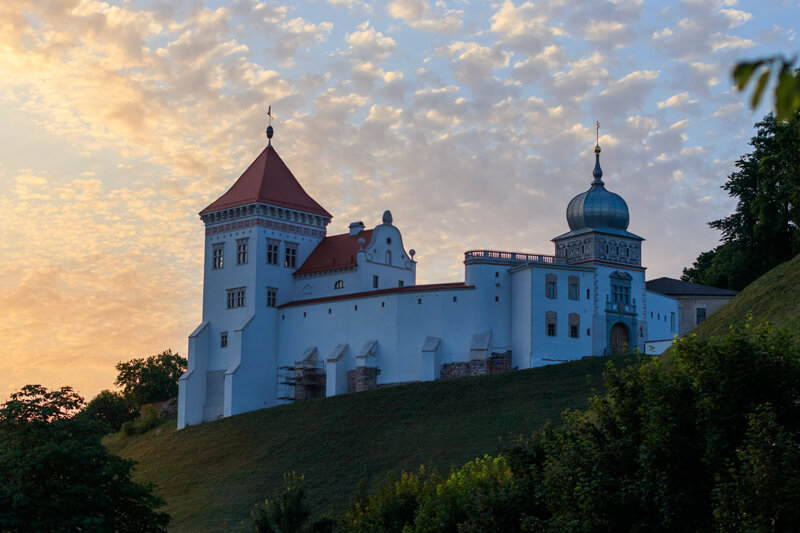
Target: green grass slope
point(775, 297)
point(211, 475)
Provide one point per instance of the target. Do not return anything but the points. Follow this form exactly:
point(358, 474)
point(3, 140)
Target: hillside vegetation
point(774, 297)
point(211, 475)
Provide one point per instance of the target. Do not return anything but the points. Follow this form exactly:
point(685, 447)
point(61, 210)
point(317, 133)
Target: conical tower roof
point(267, 181)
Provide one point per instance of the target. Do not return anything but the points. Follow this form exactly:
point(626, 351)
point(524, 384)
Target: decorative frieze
point(265, 223)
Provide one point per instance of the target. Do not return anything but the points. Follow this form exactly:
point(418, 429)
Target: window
point(574, 325)
point(235, 297)
point(290, 260)
point(339, 284)
point(701, 314)
point(401, 283)
point(374, 282)
point(672, 322)
point(223, 339)
point(272, 296)
point(587, 294)
point(241, 251)
point(272, 251)
point(218, 251)
point(621, 294)
point(574, 288)
point(550, 321)
point(455, 299)
point(550, 286)
point(496, 298)
point(388, 257)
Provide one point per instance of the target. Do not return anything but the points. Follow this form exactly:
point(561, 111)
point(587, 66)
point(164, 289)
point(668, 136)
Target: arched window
point(550, 323)
point(388, 257)
point(550, 286)
point(574, 288)
point(339, 284)
point(574, 325)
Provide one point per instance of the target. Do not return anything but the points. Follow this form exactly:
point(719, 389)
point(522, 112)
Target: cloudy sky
point(472, 121)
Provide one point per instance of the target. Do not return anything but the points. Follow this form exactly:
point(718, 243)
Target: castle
point(291, 313)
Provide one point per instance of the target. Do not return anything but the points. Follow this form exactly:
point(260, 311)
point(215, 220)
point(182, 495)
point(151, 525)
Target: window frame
point(217, 256)
point(273, 251)
point(242, 251)
point(290, 255)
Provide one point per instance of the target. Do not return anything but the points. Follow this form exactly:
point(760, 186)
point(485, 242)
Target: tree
point(151, 380)
point(787, 82)
point(110, 408)
point(763, 231)
point(56, 475)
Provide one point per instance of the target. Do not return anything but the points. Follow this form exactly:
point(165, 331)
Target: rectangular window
point(272, 296)
point(701, 314)
point(241, 251)
point(400, 283)
point(573, 331)
point(621, 294)
point(218, 252)
point(290, 260)
point(235, 297)
point(573, 291)
point(551, 330)
point(587, 294)
point(672, 322)
point(223, 339)
point(272, 251)
point(374, 282)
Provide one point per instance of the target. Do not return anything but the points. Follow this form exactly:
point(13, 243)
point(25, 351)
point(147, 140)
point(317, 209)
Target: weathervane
point(270, 131)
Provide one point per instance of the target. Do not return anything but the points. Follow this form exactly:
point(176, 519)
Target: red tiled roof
point(334, 252)
point(268, 181)
point(366, 294)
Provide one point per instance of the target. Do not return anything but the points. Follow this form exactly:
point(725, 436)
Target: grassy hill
point(775, 296)
point(211, 475)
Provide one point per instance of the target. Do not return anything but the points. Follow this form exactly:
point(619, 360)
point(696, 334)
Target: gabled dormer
point(361, 260)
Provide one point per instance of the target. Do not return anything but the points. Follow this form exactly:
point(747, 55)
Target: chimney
point(356, 228)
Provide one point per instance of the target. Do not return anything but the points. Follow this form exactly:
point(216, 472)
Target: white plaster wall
point(399, 322)
point(192, 384)
point(493, 301)
point(562, 347)
point(322, 285)
point(521, 318)
point(662, 317)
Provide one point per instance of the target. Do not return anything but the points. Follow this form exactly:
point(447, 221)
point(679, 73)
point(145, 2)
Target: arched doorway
point(620, 340)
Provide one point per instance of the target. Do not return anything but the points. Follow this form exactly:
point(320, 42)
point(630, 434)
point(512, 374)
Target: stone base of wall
point(498, 362)
point(309, 384)
point(363, 378)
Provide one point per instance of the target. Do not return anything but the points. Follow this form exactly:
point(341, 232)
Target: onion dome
point(597, 207)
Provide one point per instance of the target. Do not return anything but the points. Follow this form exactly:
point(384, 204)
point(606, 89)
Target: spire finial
point(598, 172)
point(270, 131)
point(597, 144)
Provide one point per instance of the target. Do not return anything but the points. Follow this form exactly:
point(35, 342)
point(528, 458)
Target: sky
point(472, 121)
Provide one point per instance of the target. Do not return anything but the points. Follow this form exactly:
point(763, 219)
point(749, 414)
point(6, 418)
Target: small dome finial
point(598, 172)
point(270, 131)
point(387, 217)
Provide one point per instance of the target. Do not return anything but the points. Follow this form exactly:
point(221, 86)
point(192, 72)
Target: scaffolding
point(303, 381)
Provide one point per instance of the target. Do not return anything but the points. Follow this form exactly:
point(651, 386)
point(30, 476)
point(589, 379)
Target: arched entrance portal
point(620, 340)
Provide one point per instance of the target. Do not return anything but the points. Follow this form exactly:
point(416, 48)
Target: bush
point(708, 439)
point(148, 419)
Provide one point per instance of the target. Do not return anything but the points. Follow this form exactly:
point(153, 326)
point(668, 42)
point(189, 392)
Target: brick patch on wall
point(363, 378)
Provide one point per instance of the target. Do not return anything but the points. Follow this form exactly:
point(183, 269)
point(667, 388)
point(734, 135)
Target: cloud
point(368, 43)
